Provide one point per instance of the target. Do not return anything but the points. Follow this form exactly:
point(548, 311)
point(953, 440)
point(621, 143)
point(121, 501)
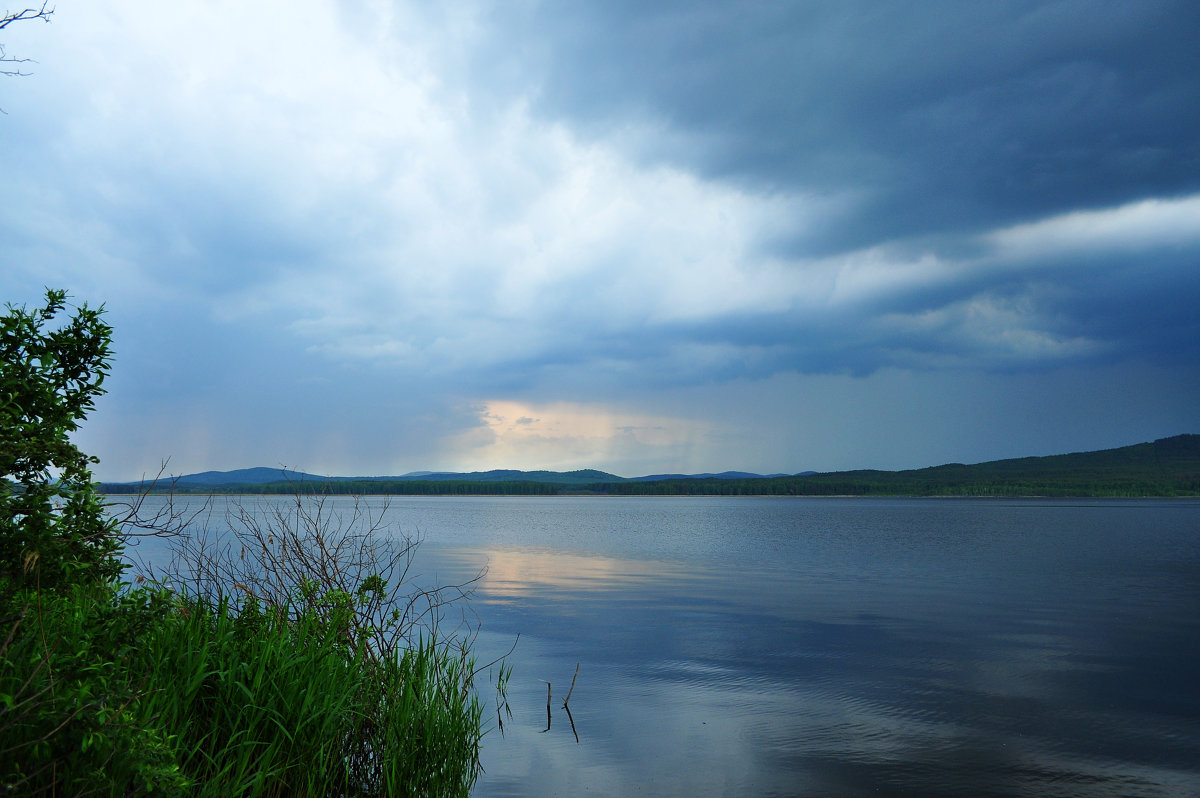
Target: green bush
point(69, 698)
point(313, 686)
point(53, 528)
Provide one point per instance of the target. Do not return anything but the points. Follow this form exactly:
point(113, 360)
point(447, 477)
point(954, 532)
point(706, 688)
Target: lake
point(763, 646)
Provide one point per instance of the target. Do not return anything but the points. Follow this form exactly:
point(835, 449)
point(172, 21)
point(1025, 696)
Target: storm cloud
point(339, 236)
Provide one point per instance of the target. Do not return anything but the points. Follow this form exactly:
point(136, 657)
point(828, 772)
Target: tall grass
point(143, 692)
point(318, 680)
point(301, 661)
point(267, 702)
point(69, 720)
point(289, 668)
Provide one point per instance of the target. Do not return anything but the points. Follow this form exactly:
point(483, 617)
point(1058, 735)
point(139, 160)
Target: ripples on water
point(834, 647)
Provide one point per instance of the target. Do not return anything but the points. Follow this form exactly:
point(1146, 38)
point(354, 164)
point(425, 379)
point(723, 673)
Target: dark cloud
point(1146, 308)
point(928, 117)
point(860, 219)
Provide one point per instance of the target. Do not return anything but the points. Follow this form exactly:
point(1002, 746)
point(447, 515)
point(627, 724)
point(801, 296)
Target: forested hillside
point(1166, 467)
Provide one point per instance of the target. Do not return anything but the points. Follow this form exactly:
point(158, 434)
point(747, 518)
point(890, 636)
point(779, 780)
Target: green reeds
point(141, 692)
point(290, 671)
point(69, 723)
point(317, 681)
point(277, 703)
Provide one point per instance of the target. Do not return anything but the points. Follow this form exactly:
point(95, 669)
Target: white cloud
point(986, 329)
point(330, 175)
point(879, 272)
point(1142, 225)
point(589, 244)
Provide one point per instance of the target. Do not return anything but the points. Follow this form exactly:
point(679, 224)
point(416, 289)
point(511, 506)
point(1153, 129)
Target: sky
point(372, 237)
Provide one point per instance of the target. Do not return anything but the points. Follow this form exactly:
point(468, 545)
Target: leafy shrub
point(69, 700)
point(317, 680)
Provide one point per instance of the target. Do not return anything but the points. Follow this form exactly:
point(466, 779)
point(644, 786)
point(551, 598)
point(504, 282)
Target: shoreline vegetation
point(1165, 468)
point(277, 654)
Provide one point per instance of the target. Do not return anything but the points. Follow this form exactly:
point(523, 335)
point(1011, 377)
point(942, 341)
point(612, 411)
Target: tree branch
point(42, 13)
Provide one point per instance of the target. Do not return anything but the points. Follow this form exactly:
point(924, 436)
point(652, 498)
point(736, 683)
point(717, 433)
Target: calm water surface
point(832, 646)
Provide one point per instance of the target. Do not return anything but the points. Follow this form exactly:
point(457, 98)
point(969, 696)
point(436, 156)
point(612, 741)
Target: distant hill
point(1166, 467)
point(238, 479)
point(241, 476)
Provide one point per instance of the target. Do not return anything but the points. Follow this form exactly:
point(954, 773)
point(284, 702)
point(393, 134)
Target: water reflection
point(967, 653)
point(810, 647)
point(522, 573)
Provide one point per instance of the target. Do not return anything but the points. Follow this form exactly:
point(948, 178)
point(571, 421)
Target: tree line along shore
point(1168, 467)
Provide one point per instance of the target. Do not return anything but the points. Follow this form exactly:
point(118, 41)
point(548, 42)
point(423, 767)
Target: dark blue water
point(832, 646)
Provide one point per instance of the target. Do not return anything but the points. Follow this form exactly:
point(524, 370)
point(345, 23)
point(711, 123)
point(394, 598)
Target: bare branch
point(14, 73)
point(335, 558)
point(43, 13)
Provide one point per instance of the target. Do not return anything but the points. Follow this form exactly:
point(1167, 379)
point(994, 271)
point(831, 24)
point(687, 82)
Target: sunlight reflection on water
point(526, 572)
point(833, 647)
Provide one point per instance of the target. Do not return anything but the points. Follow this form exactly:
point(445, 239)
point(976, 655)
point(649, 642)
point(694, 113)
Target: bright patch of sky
point(560, 435)
point(374, 237)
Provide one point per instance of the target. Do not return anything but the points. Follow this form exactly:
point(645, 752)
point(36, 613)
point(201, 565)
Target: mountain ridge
point(261, 475)
point(1167, 466)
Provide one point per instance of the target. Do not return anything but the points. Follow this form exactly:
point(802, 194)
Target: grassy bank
point(115, 691)
point(111, 690)
point(269, 704)
point(290, 667)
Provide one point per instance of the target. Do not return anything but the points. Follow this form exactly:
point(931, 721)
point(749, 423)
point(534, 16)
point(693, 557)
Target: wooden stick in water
point(567, 700)
point(547, 706)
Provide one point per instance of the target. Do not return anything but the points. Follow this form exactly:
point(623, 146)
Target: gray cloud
point(928, 117)
point(339, 261)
